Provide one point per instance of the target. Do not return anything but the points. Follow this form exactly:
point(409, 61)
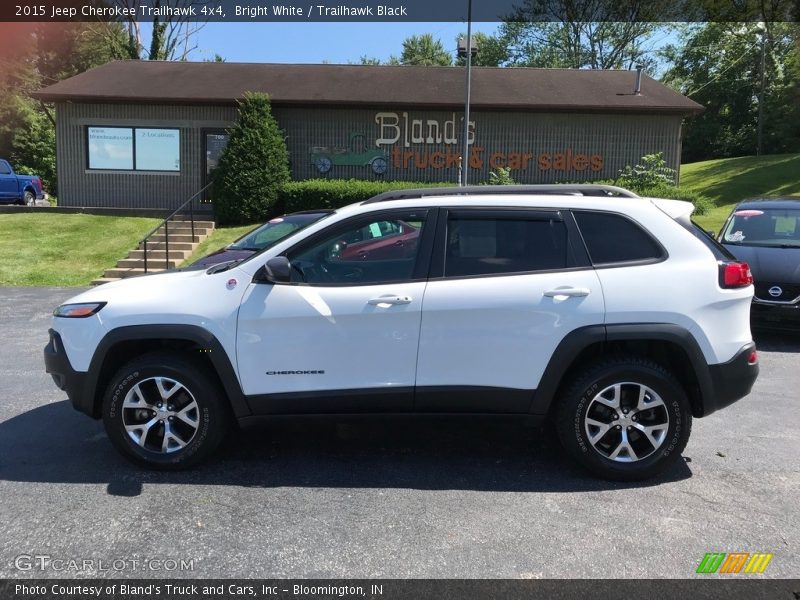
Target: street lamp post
point(760, 124)
point(465, 142)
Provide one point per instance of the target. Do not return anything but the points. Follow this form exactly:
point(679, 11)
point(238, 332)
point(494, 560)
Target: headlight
point(85, 309)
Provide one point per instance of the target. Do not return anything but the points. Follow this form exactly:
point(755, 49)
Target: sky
point(318, 42)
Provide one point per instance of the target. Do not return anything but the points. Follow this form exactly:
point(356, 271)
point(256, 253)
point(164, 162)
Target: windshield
point(776, 227)
point(275, 231)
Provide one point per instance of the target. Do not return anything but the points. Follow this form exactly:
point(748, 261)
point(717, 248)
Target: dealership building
point(148, 134)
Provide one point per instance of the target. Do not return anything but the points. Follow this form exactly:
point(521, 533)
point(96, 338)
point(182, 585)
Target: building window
point(133, 149)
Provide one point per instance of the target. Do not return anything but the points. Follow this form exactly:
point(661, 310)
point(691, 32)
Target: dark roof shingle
point(497, 88)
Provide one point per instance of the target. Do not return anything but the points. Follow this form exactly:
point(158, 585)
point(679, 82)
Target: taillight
point(734, 275)
point(39, 183)
point(752, 358)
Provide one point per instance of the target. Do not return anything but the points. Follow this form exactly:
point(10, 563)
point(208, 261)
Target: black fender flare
point(578, 340)
point(191, 333)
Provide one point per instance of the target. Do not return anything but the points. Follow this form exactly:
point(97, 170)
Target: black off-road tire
point(575, 402)
point(213, 414)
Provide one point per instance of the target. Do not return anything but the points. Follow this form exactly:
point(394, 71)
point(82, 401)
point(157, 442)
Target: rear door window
point(493, 245)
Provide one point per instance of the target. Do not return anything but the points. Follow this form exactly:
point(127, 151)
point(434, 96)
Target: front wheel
point(625, 419)
point(162, 411)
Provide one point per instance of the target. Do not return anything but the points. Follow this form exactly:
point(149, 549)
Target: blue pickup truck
point(19, 189)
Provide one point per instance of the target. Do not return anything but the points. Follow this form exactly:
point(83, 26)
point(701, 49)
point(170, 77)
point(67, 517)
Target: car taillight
point(752, 358)
point(734, 275)
point(39, 184)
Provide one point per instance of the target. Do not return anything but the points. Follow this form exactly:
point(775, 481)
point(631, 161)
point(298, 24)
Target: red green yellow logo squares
point(734, 562)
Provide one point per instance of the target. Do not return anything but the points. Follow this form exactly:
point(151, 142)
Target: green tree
point(36, 55)
point(253, 167)
point(170, 38)
point(33, 144)
point(580, 44)
point(423, 50)
point(719, 66)
point(492, 50)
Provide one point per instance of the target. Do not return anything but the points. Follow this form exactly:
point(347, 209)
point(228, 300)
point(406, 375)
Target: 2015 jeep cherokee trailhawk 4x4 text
point(612, 317)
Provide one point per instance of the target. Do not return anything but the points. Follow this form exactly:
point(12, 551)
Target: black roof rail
point(558, 189)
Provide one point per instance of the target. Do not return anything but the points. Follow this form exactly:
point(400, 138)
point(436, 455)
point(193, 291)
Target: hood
point(132, 287)
point(770, 265)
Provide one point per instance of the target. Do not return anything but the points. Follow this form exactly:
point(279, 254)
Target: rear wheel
point(625, 418)
point(28, 199)
point(162, 411)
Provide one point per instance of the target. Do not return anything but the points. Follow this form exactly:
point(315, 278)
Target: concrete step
point(159, 254)
point(197, 223)
point(185, 229)
point(102, 280)
point(121, 273)
point(158, 263)
point(175, 237)
point(173, 245)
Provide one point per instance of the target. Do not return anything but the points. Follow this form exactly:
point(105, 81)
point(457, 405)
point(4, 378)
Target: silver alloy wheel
point(160, 415)
point(626, 422)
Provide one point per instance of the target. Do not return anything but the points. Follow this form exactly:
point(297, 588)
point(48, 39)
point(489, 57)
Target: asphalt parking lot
point(389, 499)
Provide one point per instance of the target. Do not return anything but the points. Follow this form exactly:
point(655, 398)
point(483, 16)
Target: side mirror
point(277, 270)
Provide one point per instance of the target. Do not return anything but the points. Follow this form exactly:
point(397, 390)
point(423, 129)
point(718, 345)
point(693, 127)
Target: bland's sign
point(441, 141)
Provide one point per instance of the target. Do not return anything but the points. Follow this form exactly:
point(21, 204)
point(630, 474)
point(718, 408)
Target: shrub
point(501, 176)
point(701, 203)
point(335, 193)
point(650, 172)
point(254, 166)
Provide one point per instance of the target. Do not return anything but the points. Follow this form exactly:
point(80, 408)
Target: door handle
point(568, 291)
point(390, 300)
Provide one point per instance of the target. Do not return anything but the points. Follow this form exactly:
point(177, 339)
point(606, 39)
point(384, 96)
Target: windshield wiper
point(223, 266)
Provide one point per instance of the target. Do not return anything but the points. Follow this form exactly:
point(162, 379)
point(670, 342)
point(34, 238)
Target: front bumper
point(731, 381)
point(775, 317)
point(65, 377)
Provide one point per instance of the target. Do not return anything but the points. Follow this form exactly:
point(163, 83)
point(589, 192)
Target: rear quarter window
point(611, 239)
point(719, 251)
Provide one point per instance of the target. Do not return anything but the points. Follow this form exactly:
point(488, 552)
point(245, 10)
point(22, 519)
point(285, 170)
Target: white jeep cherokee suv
point(611, 316)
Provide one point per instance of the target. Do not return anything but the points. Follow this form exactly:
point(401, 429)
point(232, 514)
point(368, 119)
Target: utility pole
point(465, 153)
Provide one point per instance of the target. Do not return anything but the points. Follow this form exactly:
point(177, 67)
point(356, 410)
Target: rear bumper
point(730, 381)
point(65, 377)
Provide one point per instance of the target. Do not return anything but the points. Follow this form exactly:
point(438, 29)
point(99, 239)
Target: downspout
point(47, 112)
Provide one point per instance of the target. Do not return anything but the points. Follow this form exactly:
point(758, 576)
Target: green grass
point(65, 250)
point(727, 181)
point(219, 238)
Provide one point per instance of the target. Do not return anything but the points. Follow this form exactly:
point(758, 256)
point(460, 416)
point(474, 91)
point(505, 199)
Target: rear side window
point(612, 238)
point(5, 169)
point(491, 246)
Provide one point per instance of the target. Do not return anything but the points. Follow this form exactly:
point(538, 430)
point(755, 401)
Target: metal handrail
point(165, 225)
